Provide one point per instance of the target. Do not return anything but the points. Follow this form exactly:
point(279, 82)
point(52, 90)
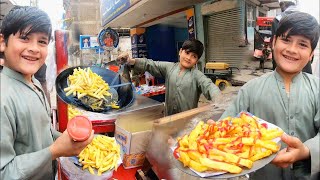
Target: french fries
point(102, 154)
point(72, 112)
point(90, 88)
point(230, 144)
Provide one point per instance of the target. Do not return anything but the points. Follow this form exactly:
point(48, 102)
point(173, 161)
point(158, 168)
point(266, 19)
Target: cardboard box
point(133, 133)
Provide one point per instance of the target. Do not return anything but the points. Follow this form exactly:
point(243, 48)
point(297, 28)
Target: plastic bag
point(74, 172)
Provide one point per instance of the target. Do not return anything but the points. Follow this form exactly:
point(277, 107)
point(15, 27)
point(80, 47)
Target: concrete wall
point(200, 34)
point(86, 18)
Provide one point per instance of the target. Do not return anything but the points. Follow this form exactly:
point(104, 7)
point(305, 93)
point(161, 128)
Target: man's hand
point(66, 146)
point(125, 58)
point(295, 151)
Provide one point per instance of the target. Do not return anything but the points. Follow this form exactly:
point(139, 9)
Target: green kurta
point(298, 114)
point(26, 131)
point(182, 92)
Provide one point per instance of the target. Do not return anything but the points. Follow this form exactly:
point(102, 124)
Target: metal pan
point(126, 92)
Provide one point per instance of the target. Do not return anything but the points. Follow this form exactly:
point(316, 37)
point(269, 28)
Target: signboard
point(108, 39)
point(191, 28)
point(139, 46)
point(110, 9)
point(88, 42)
point(191, 23)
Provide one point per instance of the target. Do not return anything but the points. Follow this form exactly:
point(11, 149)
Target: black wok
point(126, 92)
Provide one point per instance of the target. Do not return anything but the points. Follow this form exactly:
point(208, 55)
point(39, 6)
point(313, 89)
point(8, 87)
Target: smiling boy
point(28, 149)
point(184, 83)
point(288, 98)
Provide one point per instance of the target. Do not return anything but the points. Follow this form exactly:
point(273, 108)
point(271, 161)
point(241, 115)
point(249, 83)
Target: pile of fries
point(227, 145)
point(72, 112)
point(102, 153)
point(90, 88)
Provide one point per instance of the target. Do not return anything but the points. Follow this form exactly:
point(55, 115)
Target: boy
point(28, 150)
point(287, 7)
point(184, 83)
point(288, 98)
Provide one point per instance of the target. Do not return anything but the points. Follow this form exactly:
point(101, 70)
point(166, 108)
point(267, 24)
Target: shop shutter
point(225, 37)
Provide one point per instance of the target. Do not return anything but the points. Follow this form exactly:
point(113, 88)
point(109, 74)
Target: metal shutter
point(225, 37)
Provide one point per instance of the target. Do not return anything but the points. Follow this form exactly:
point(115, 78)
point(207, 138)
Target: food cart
point(143, 109)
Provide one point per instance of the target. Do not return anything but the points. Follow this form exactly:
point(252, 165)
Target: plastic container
point(114, 68)
point(79, 128)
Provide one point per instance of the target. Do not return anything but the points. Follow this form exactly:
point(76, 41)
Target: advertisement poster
point(88, 42)
point(108, 39)
point(94, 42)
point(111, 9)
point(139, 46)
point(191, 28)
point(191, 23)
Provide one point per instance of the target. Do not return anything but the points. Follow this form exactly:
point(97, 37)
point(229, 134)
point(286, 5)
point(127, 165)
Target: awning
point(145, 13)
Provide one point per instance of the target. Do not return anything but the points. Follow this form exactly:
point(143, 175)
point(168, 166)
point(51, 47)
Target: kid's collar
point(294, 79)
point(18, 76)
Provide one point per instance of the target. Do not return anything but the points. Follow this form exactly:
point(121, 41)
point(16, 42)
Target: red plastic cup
point(79, 128)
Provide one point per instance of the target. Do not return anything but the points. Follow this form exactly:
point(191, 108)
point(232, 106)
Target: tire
point(222, 86)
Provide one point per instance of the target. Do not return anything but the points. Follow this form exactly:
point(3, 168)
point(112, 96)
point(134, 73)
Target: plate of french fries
point(98, 159)
point(87, 87)
point(227, 148)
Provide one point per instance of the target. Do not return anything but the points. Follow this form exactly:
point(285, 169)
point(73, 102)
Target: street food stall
point(139, 112)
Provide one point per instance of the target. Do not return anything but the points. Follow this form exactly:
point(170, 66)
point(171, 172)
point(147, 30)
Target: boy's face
point(25, 54)
point(188, 59)
point(292, 53)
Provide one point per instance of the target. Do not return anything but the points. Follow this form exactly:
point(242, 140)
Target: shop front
point(158, 30)
point(229, 29)
point(141, 112)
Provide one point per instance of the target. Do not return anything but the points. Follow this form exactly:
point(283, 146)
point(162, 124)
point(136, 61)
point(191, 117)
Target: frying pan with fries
point(104, 98)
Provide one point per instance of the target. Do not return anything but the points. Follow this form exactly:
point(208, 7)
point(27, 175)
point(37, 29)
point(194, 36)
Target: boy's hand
point(66, 146)
point(125, 58)
point(1, 62)
point(295, 151)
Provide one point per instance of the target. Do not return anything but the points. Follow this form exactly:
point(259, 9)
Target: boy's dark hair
point(194, 46)
point(21, 18)
point(300, 23)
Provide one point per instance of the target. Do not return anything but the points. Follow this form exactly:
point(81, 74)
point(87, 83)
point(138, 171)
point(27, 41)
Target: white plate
point(214, 175)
